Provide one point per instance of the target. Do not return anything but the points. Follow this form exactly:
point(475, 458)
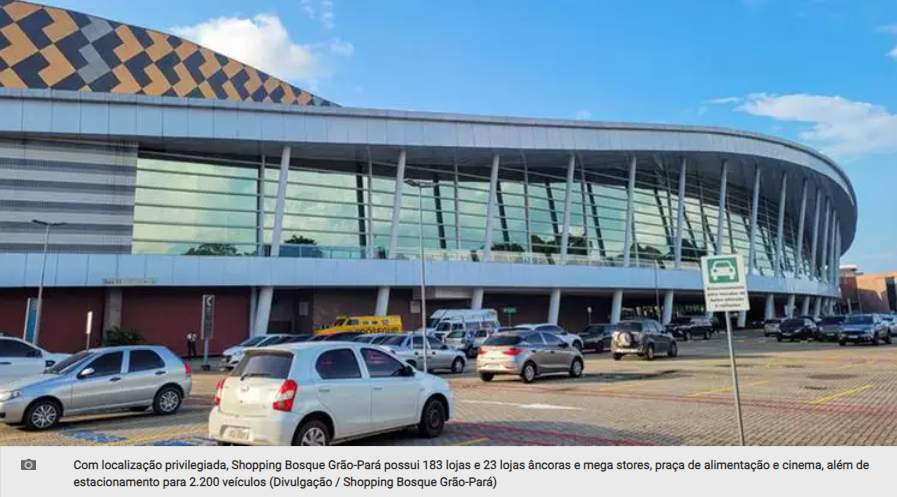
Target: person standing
point(191, 345)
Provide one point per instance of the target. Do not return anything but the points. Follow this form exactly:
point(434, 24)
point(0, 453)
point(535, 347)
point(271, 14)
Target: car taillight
point(187, 369)
point(218, 390)
point(513, 351)
point(285, 396)
point(482, 351)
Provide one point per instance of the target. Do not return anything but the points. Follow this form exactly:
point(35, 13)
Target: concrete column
point(833, 265)
point(382, 305)
point(823, 260)
point(680, 214)
point(112, 309)
point(253, 309)
point(554, 306)
point(817, 306)
point(630, 212)
point(780, 229)
point(755, 207)
point(266, 294)
point(260, 233)
point(799, 257)
point(476, 302)
point(616, 308)
point(805, 305)
point(667, 307)
point(769, 310)
point(789, 307)
point(263, 310)
point(814, 243)
point(721, 212)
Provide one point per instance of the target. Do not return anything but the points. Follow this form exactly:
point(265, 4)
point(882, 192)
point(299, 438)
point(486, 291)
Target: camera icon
point(29, 465)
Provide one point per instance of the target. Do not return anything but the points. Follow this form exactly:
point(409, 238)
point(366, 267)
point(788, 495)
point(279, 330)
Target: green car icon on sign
point(723, 271)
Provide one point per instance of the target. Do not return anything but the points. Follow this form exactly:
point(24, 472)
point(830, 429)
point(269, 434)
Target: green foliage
point(508, 247)
point(116, 336)
point(219, 249)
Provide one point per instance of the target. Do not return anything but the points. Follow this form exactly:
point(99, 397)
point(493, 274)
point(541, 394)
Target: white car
point(317, 393)
point(572, 339)
point(724, 269)
point(232, 355)
point(20, 359)
point(409, 347)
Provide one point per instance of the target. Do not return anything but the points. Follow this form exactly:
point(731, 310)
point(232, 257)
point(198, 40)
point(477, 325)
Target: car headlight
point(5, 396)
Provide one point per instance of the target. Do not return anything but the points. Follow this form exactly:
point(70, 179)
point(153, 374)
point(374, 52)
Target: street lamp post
point(420, 185)
point(43, 269)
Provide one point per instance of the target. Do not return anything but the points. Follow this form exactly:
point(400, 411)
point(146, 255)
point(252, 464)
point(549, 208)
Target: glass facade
point(344, 210)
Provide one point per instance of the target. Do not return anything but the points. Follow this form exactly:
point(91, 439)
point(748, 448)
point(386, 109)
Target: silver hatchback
point(528, 354)
point(103, 379)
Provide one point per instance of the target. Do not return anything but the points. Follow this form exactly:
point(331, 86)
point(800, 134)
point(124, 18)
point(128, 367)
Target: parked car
point(317, 393)
point(232, 355)
point(595, 337)
point(448, 320)
point(891, 321)
point(342, 336)
point(467, 341)
point(644, 338)
point(686, 327)
point(20, 359)
point(528, 354)
point(571, 338)
point(797, 329)
point(372, 338)
point(409, 347)
point(363, 324)
point(830, 328)
point(864, 328)
point(771, 327)
point(97, 380)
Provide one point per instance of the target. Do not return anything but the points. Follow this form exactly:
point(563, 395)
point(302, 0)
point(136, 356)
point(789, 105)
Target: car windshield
point(273, 364)
point(70, 363)
point(681, 321)
point(832, 320)
point(339, 322)
point(625, 326)
point(859, 319)
point(499, 340)
point(252, 342)
point(455, 334)
point(395, 341)
point(793, 322)
point(268, 341)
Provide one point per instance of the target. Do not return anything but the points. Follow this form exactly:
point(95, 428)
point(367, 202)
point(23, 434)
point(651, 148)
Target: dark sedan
point(830, 328)
point(596, 337)
point(797, 329)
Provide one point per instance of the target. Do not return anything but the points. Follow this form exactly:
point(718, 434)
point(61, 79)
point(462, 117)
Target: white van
point(466, 329)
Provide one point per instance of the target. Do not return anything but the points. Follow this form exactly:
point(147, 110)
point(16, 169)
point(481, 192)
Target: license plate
point(232, 433)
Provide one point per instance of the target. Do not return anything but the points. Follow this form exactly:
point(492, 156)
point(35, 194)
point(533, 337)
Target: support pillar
point(382, 305)
point(617, 303)
point(823, 261)
point(752, 242)
point(817, 307)
point(112, 309)
point(263, 311)
point(266, 294)
point(780, 227)
point(253, 309)
point(769, 310)
point(799, 257)
point(805, 305)
point(554, 306)
point(616, 308)
point(667, 307)
point(814, 242)
point(476, 302)
point(721, 212)
point(789, 307)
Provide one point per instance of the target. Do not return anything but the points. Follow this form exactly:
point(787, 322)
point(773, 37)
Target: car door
point(19, 360)
point(343, 391)
point(654, 330)
point(145, 373)
point(102, 388)
point(395, 396)
point(558, 357)
point(441, 355)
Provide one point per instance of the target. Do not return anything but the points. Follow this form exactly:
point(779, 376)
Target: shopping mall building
point(180, 172)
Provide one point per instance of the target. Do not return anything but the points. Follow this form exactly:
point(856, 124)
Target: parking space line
point(628, 385)
point(725, 389)
point(469, 442)
point(842, 393)
point(170, 435)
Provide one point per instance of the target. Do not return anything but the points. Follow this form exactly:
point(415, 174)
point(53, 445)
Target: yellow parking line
point(846, 366)
point(469, 442)
point(842, 393)
point(726, 389)
point(629, 385)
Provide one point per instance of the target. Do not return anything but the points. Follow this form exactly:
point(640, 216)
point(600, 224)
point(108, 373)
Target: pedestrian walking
point(191, 345)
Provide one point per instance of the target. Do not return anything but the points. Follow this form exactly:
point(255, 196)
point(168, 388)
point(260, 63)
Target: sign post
point(89, 325)
point(725, 290)
point(207, 329)
point(589, 310)
point(509, 311)
point(30, 320)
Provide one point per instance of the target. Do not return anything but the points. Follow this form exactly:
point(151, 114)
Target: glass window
point(381, 365)
point(531, 339)
point(107, 364)
point(265, 364)
point(500, 340)
point(15, 348)
point(339, 364)
point(482, 334)
point(144, 360)
point(551, 340)
point(70, 363)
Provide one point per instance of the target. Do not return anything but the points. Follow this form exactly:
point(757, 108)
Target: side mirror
point(49, 364)
point(86, 373)
point(409, 370)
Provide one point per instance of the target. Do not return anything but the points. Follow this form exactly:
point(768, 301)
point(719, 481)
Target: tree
point(301, 240)
point(508, 247)
point(117, 337)
point(220, 249)
point(305, 247)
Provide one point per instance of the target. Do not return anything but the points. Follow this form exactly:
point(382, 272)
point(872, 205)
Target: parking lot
point(803, 393)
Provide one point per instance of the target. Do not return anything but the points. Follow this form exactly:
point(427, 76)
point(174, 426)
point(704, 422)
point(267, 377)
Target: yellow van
point(364, 324)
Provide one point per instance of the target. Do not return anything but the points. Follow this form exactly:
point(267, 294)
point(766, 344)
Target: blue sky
point(821, 72)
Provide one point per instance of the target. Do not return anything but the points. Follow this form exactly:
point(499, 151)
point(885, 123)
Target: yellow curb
point(469, 442)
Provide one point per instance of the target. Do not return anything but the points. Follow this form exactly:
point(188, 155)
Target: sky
point(819, 72)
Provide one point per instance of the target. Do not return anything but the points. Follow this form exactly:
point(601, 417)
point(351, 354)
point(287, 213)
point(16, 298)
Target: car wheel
point(888, 339)
point(687, 336)
point(458, 365)
point(42, 415)
point(486, 376)
point(224, 444)
point(471, 353)
point(432, 421)
point(617, 357)
point(874, 340)
point(529, 372)
point(649, 352)
point(313, 433)
point(842, 343)
point(576, 368)
point(167, 401)
point(674, 350)
point(706, 335)
point(778, 339)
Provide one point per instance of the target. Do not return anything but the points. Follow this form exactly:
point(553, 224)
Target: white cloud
point(264, 42)
point(321, 11)
point(583, 115)
point(841, 127)
point(724, 100)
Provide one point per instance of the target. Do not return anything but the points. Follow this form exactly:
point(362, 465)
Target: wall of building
point(867, 292)
point(63, 319)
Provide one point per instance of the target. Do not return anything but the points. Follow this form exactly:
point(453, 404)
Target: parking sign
point(725, 283)
point(207, 330)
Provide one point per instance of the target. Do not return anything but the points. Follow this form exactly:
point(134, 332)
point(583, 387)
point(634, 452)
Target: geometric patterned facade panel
point(49, 48)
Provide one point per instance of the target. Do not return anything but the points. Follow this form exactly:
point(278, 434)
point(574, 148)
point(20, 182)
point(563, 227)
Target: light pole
point(420, 185)
point(43, 269)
